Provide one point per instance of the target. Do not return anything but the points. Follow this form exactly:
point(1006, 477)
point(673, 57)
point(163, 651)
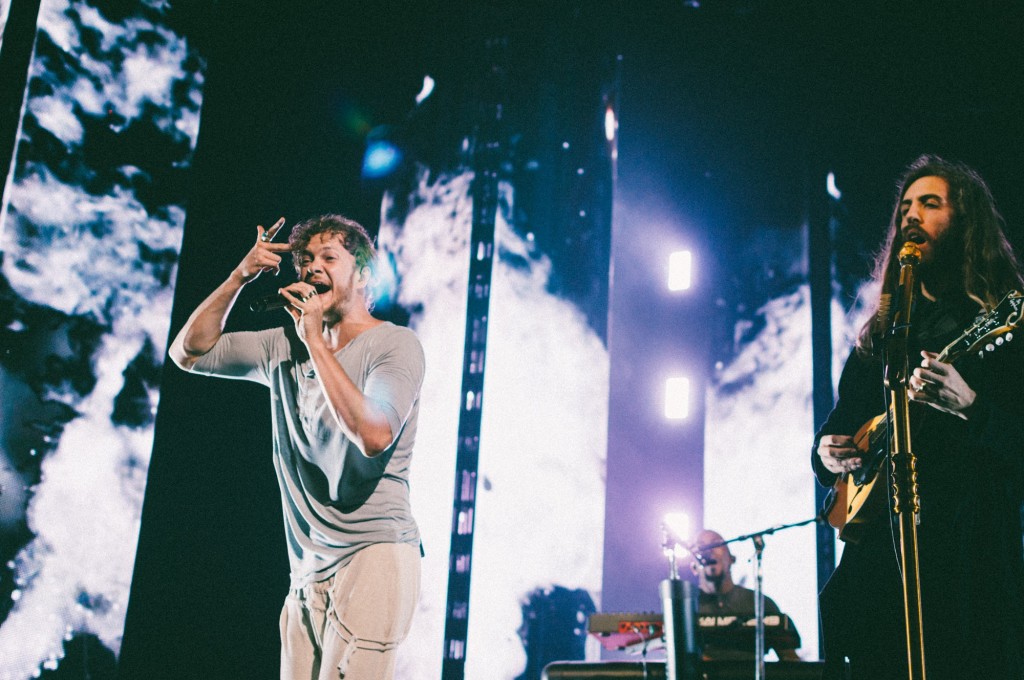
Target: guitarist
point(967, 425)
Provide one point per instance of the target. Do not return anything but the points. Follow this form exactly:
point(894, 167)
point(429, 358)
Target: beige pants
point(349, 625)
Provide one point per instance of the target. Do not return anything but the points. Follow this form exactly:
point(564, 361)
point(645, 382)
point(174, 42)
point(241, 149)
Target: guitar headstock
point(988, 331)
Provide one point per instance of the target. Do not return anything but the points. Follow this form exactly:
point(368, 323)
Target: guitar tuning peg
point(999, 340)
point(1009, 336)
point(990, 347)
point(981, 354)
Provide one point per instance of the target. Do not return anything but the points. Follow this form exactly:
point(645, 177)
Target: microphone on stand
point(703, 560)
point(910, 257)
point(894, 316)
point(910, 253)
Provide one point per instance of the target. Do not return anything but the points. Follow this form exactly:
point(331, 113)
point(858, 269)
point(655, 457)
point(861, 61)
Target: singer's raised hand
point(206, 324)
point(265, 256)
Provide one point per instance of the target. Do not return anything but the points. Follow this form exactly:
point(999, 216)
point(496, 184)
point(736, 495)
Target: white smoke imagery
point(757, 472)
point(540, 499)
point(541, 488)
point(84, 254)
point(5, 9)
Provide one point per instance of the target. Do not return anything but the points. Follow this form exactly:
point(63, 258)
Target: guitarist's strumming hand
point(941, 386)
point(839, 454)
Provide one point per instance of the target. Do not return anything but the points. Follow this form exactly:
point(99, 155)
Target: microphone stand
point(759, 607)
point(906, 501)
point(757, 538)
point(679, 613)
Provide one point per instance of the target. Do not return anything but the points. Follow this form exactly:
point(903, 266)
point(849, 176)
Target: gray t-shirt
point(336, 501)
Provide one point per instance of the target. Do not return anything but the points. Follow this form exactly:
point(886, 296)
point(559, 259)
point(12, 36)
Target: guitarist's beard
point(942, 273)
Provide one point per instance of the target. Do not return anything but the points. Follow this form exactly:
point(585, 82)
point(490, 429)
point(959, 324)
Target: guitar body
point(852, 505)
point(853, 501)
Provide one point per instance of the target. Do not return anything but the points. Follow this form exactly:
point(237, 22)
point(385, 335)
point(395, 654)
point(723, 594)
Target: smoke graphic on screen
point(757, 471)
point(540, 492)
point(97, 242)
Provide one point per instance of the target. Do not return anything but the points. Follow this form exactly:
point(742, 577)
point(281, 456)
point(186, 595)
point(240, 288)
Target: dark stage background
point(730, 115)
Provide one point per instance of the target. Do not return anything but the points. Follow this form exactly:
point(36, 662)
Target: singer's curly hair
point(352, 234)
point(988, 268)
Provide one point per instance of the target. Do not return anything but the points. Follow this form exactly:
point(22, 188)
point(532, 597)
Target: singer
point(344, 390)
point(967, 435)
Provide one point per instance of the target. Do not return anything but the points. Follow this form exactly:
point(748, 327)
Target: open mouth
point(321, 288)
point(914, 236)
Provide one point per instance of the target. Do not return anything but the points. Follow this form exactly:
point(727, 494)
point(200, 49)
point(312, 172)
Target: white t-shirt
point(336, 500)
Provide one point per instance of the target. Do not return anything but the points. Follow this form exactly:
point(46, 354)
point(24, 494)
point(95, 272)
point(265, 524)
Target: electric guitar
point(851, 503)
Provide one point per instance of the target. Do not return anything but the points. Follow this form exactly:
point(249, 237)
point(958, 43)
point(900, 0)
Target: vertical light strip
point(680, 270)
point(677, 398)
point(489, 150)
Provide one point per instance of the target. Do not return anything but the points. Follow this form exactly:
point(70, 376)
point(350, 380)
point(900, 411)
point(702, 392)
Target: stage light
point(426, 91)
point(383, 154)
point(833, 190)
point(680, 270)
point(677, 527)
point(610, 124)
point(381, 159)
point(677, 398)
point(675, 540)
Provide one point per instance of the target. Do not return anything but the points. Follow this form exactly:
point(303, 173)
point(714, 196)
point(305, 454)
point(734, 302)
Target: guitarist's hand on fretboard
point(940, 386)
point(839, 453)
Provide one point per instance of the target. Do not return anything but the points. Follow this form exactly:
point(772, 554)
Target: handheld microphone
point(268, 303)
point(272, 301)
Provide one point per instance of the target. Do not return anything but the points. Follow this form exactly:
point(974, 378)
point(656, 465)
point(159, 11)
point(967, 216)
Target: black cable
point(889, 472)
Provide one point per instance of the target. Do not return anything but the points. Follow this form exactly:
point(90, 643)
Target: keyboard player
point(721, 596)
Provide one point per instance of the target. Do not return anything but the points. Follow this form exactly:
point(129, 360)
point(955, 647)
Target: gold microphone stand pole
point(906, 502)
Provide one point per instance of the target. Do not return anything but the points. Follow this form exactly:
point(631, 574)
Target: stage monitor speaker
point(655, 670)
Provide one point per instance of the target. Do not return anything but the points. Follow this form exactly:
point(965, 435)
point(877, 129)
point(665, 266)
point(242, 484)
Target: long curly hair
point(988, 267)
